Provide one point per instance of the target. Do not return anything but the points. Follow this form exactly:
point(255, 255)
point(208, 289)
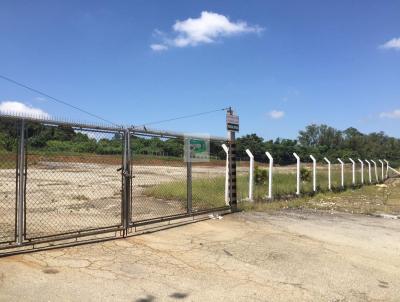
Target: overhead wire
point(182, 117)
point(102, 118)
point(57, 100)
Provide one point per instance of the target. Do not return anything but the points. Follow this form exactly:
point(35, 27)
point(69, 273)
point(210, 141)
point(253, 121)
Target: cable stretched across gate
point(64, 180)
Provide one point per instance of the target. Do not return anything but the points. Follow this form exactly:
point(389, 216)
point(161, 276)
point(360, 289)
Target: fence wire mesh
point(63, 180)
point(8, 184)
point(73, 181)
point(159, 177)
point(208, 180)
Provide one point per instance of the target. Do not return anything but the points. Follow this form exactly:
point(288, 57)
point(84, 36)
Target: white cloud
point(392, 114)
point(158, 47)
point(13, 107)
point(208, 28)
point(392, 44)
point(276, 114)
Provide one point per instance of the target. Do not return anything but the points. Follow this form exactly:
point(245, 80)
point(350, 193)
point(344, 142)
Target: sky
point(281, 64)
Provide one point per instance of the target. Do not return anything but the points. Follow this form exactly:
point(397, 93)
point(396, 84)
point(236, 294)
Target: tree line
point(319, 140)
point(323, 141)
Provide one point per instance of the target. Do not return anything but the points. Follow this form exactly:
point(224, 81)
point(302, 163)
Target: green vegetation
point(206, 192)
point(209, 192)
point(368, 200)
point(319, 140)
point(323, 141)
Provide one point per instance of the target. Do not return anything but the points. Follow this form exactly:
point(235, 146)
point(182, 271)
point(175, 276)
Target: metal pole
point(383, 167)
point(270, 173)
point(226, 149)
point(314, 173)
point(329, 174)
point(298, 173)
point(189, 185)
point(251, 172)
point(126, 219)
point(376, 170)
point(369, 171)
point(342, 171)
point(21, 185)
point(232, 172)
point(362, 171)
point(354, 171)
point(387, 168)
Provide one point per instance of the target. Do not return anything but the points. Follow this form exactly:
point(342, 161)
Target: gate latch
point(125, 173)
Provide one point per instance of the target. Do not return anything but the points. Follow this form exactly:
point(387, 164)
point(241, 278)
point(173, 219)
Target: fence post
point(376, 171)
point(354, 171)
point(387, 168)
point(270, 173)
point(232, 172)
point(362, 171)
point(189, 183)
point(226, 149)
point(314, 173)
point(369, 171)
point(298, 173)
point(383, 167)
point(342, 171)
point(329, 174)
point(21, 186)
point(251, 172)
point(127, 179)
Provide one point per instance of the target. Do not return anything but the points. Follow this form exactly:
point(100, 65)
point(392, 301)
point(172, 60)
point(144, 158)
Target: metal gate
point(8, 184)
point(62, 181)
point(166, 186)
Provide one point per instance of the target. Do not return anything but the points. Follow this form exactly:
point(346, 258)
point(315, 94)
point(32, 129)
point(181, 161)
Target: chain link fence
point(73, 182)
point(8, 181)
point(60, 180)
point(209, 180)
point(159, 178)
point(63, 180)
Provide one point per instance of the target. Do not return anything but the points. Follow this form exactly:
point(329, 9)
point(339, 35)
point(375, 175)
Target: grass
point(367, 200)
point(208, 192)
point(284, 184)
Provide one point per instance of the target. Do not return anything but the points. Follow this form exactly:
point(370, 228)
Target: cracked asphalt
point(289, 256)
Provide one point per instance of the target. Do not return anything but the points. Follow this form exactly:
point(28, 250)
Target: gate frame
point(21, 187)
point(21, 242)
point(144, 131)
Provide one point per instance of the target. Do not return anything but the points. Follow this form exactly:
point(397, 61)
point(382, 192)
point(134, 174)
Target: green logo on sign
point(198, 145)
point(197, 149)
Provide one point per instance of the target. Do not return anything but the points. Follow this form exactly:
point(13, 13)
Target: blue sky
point(280, 64)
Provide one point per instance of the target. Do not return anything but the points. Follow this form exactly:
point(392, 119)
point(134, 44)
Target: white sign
point(232, 122)
point(197, 149)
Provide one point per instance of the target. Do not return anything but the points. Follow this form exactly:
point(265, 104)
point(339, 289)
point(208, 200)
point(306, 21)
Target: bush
point(260, 176)
point(305, 174)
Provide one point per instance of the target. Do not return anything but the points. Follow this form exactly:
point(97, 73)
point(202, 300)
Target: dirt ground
point(70, 196)
point(288, 256)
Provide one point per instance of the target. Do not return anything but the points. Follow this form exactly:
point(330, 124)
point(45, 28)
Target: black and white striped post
point(232, 123)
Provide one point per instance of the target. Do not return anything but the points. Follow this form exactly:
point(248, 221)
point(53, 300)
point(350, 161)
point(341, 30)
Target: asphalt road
point(290, 256)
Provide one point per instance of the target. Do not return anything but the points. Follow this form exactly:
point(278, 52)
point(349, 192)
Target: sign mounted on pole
point(197, 148)
point(232, 122)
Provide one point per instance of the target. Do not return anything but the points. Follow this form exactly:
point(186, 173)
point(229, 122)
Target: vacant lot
point(68, 195)
point(287, 256)
point(375, 200)
point(71, 193)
